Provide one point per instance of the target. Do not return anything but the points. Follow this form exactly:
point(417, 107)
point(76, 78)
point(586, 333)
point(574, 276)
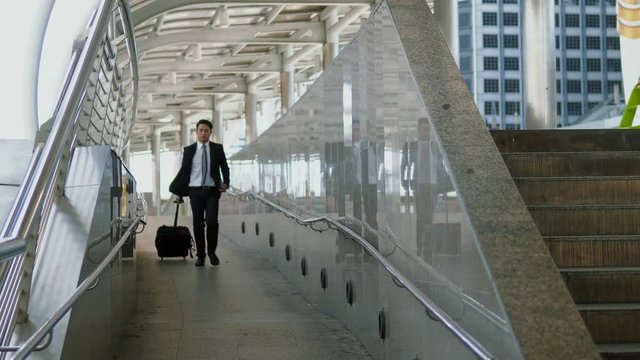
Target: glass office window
point(593, 64)
point(614, 65)
point(512, 85)
point(511, 41)
point(613, 43)
point(572, 20)
point(490, 40)
point(510, 1)
point(573, 64)
point(593, 42)
point(592, 21)
point(558, 86)
point(592, 2)
point(512, 107)
point(512, 63)
point(510, 19)
point(491, 85)
point(489, 19)
point(558, 108)
point(492, 108)
point(611, 21)
point(574, 86)
point(573, 42)
point(613, 84)
point(490, 63)
point(574, 108)
point(594, 87)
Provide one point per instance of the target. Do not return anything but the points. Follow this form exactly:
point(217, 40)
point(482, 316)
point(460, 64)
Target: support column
point(186, 138)
point(155, 150)
point(539, 75)
point(286, 80)
point(217, 117)
point(126, 154)
point(330, 47)
point(446, 16)
point(250, 111)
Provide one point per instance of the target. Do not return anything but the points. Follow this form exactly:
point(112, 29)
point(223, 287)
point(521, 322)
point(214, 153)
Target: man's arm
point(224, 168)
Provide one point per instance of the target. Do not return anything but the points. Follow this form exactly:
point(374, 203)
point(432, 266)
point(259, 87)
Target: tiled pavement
point(242, 309)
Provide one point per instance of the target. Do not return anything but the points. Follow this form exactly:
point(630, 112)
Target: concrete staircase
point(582, 188)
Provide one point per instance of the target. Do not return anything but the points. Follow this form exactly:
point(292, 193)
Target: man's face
point(203, 133)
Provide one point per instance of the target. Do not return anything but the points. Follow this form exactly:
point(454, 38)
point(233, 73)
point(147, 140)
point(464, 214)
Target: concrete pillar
point(250, 114)
point(155, 150)
point(539, 75)
point(186, 130)
point(126, 155)
point(287, 95)
point(446, 16)
point(217, 118)
point(330, 47)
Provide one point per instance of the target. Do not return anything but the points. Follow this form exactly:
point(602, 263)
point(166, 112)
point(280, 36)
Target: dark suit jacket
point(218, 165)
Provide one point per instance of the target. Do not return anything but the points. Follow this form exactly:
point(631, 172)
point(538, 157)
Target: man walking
point(200, 179)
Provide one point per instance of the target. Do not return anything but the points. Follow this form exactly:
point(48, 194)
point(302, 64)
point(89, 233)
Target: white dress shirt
point(196, 167)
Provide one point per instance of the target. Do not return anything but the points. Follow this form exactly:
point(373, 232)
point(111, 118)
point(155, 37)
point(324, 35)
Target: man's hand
point(179, 200)
point(223, 187)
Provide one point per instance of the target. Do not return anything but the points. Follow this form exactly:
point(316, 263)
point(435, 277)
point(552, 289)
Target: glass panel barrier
point(359, 145)
point(419, 178)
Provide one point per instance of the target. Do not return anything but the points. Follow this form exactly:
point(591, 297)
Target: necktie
point(204, 163)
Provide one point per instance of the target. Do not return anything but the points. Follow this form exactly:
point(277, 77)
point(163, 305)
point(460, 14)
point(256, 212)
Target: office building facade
point(588, 67)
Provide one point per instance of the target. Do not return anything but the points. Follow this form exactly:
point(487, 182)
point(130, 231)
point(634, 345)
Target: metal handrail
point(433, 310)
point(26, 348)
point(47, 161)
point(33, 188)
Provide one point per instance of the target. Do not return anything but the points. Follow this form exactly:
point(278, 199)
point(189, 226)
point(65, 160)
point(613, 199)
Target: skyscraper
point(588, 68)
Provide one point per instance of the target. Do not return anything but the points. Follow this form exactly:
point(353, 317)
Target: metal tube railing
point(46, 161)
point(25, 349)
point(434, 310)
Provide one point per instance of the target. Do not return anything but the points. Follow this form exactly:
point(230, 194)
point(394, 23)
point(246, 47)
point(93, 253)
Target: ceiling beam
point(235, 86)
point(228, 64)
point(313, 33)
point(153, 9)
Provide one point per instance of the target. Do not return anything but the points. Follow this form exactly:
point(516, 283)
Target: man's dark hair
point(206, 122)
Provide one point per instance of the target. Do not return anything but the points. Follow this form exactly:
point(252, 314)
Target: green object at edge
point(630, 109)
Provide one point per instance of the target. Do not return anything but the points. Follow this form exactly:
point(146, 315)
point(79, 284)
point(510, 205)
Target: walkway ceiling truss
point(195, 54)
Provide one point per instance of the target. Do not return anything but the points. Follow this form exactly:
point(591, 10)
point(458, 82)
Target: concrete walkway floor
point(242, 309)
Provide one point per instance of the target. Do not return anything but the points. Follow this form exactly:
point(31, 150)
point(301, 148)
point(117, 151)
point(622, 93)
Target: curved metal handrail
point(26, 348)
point(47, 161)
point(433, 310)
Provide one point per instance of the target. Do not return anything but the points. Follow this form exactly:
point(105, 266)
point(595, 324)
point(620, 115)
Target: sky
point(21, 37)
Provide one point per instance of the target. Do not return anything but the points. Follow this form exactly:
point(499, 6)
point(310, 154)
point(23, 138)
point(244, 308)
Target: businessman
point(203, 177)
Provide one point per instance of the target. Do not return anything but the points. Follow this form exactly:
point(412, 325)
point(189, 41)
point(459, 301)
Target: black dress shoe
point(200, 261)
point(214, 260)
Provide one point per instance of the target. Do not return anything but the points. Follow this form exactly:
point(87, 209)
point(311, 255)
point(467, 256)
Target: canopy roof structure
point(196, 56)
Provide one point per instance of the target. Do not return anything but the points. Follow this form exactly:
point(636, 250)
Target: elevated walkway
point(242, 309)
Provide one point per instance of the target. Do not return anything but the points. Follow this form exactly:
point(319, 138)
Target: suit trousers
point(204, 206)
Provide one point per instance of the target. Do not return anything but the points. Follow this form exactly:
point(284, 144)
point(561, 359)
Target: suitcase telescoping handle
point(175, 219)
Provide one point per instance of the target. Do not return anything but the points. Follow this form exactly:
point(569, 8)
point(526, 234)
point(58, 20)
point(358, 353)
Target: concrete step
point(603, 285)
point(612, 323)
point(619, 351)
point(592, 190)
point(599, 163)
point(566, 140)
point(559, 220)
point(594, 251)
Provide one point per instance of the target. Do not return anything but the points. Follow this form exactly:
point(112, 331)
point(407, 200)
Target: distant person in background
point(203, 177)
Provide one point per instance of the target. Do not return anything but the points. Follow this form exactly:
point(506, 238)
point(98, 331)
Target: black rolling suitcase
point(174, 241)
